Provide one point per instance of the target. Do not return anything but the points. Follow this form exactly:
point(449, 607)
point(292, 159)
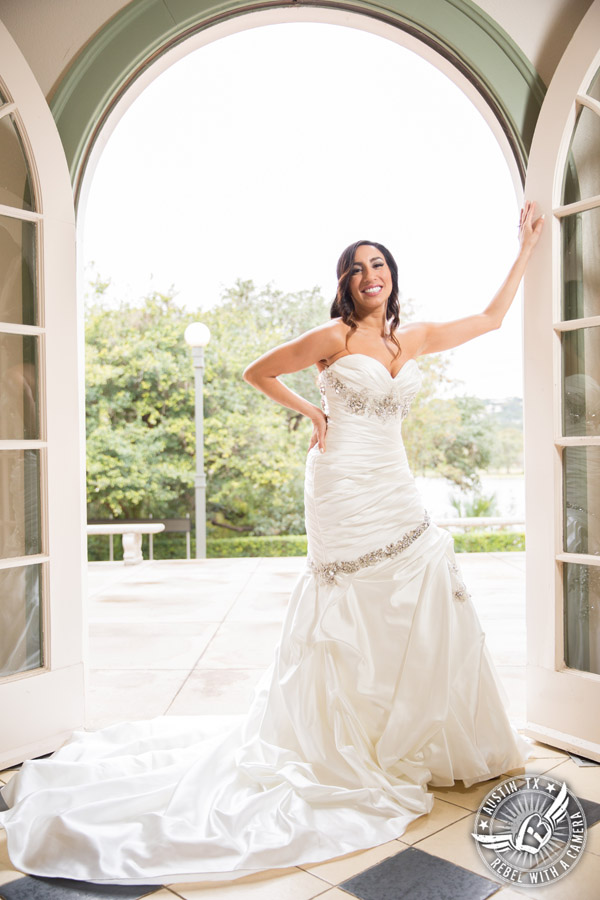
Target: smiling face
point(370, 280)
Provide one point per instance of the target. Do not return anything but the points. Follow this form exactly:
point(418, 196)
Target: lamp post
point(197, 336)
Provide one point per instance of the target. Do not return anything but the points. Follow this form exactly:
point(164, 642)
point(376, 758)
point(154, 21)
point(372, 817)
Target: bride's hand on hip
point(319, 421)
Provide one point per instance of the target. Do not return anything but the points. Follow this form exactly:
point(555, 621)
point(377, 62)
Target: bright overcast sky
point(262, 155)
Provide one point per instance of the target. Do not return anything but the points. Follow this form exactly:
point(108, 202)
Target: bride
point(381, 683)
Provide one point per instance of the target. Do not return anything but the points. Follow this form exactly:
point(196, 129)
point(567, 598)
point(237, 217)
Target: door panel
point(42, 512)
point(562, 406)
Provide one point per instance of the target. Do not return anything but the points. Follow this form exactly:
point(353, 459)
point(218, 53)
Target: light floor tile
point(274, 884)
point(582, 780)
point(335, 893)
point(163, 894)
point(592, 844)
point(343, 867)
point(580, 884)
point(118, 695)
point(510, 894)
point(7, 775)
point(215, 691)
point(246, 644)
point(7, 875)
point(442, 815)
point(544, 751)
point(7, 870)
point(470, 798)
point(455, 844)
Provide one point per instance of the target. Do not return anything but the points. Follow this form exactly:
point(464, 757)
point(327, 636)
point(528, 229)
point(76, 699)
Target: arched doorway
point(145, 38)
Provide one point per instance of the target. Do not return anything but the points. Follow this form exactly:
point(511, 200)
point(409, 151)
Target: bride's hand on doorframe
point(529, 229)
point(319, 431)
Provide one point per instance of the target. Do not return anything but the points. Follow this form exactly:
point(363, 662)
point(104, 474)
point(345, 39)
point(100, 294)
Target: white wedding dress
point(381, 684)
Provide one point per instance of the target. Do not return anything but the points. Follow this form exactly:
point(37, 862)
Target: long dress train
point(380, 685)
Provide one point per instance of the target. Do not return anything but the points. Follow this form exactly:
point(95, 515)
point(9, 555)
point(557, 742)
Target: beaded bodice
point(385, 397)
point(361, 503)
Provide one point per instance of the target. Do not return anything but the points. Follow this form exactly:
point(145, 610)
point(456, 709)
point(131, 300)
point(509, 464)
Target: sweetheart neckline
point(379, 363)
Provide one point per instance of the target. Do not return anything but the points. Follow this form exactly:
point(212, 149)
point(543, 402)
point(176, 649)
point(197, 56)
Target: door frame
point(552, 716)
point(39, 708)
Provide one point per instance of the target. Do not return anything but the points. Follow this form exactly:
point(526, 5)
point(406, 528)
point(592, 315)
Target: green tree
point(507, 450)
point(140, 412)
point(450, 437)
point(139, 408)
point(471, 448)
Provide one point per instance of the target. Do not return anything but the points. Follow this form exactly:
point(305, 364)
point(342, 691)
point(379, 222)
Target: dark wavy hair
point(343, 305)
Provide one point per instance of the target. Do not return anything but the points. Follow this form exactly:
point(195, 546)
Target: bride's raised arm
point(432, 337)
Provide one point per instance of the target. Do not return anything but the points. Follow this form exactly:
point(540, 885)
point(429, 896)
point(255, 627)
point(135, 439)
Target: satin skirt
point(380, 686)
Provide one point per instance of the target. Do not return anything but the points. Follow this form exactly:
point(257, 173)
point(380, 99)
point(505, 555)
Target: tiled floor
point(203, 650)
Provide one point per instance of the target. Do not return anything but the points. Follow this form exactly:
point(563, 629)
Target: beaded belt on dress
point(326, 572)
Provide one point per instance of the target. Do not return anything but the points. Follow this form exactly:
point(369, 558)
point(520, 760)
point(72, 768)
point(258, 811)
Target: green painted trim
point(145, 29)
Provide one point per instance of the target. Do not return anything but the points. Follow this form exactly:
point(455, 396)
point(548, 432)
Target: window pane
point(582, 617)
point(581, 382)
point(581, 469)
point(17, 272)
point(19, 402)
point(20, 511)
point(20, 619)
point(582, 173)
point(15, 185)
point(581, 264)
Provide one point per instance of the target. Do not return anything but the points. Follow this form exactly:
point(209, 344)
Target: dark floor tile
point(591, 810)
point(32, 888)
point(583, 760)
point(416, 875)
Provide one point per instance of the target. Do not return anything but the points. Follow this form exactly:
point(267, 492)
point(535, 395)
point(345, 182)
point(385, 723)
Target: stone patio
point(189, 637)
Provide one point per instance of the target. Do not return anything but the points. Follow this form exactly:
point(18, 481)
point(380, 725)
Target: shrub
point(172, 546)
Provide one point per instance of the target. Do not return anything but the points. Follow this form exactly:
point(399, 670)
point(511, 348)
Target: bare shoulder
point(411, 337)
point(334, 327)
point(333, 340)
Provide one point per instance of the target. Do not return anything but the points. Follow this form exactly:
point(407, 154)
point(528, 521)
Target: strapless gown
point(381, 684)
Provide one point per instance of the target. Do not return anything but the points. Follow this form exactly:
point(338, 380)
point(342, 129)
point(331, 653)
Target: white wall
point(541, 28)
point(50, 33)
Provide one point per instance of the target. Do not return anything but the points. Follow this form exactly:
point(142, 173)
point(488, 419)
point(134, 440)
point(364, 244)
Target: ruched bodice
point(360, 494)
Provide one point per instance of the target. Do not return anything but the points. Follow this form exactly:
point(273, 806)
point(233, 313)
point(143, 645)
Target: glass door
point(562, 407)
point(41, 628)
